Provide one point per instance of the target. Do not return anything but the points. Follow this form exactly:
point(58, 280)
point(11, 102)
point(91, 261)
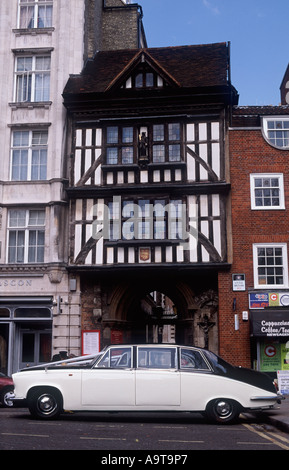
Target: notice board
point(90, 342)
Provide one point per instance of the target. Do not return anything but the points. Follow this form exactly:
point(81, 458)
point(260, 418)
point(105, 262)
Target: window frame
point(266, 130)
point(25, 230)
point(35, 6)
point(151, 219)
point(165, 143)
point(256, 266)
point(25, 81)
point(253, 188)
point(29, 148)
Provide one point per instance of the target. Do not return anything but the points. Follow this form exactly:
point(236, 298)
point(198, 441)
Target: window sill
point(33, 31)
point(30, 105)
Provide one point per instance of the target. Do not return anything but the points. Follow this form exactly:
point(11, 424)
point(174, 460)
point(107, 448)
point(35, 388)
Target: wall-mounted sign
point(258, 300)
point(90, 342)
point(274, 356)
point(239, 283)
point(270, 324)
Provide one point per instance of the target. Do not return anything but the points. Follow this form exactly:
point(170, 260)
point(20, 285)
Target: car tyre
point(45, 403)
point(223, 410)
point(5, 397)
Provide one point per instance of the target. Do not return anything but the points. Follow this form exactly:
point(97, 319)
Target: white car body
point(144, 378)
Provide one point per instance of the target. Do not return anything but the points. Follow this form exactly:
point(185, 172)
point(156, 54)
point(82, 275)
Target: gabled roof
point(183, 66)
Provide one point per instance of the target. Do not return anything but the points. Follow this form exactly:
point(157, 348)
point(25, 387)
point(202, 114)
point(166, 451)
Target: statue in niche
point(143, 149)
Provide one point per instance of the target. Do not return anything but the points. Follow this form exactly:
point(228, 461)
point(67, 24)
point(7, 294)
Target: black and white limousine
point(156, 377)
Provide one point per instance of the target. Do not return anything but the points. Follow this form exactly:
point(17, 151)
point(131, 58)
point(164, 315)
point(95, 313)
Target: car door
point(111, 384)
point(157, 378)
point(197, 379)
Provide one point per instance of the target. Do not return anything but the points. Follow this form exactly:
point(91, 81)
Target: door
point(158, 383)
point(35, 347)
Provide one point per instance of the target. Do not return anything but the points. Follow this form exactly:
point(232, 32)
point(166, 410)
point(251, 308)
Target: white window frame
point(29, 148)
point(25, 227)
point(265, 129)
point(32, 20)
point(280, 178)
point(25, 82)
point(284, 266)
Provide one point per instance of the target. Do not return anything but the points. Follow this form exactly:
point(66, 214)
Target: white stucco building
point(42, 42)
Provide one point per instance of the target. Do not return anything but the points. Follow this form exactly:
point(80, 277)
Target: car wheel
point(45, 403)
point(5, 397)
point(223, 410)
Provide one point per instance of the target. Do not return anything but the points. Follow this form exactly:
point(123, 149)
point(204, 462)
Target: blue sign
point(258, 300)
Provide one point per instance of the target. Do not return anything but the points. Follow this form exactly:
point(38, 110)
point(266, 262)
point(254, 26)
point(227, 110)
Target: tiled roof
point(260, 110)
point(188, 66)
point(250, 116)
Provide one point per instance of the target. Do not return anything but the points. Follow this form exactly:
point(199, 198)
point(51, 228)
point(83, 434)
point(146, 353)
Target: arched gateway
point(151, 310)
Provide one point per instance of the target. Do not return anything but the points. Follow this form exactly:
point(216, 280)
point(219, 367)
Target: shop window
point(270, 265)
point(30, 312)
point(4, 313)
point(267, 191)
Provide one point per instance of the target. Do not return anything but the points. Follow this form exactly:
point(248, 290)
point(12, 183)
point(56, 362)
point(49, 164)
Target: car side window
point(192, 359)
point(116, 358)
point(156, 358)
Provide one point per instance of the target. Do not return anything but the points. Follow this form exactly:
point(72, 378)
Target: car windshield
point(220, 366)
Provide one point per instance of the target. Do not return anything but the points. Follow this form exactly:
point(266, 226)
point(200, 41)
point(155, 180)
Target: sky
point(258, 31)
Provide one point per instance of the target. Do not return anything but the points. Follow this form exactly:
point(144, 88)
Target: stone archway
point(118, 307)
point(130, 310)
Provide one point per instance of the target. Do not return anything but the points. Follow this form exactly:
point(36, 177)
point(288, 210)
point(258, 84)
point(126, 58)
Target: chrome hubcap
point(223, 409)
point(46, 404)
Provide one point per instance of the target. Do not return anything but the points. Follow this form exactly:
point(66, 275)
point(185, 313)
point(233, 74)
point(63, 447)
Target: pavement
point(278, 416)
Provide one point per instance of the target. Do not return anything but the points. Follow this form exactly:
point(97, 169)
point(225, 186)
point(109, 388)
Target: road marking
point(170, 427)
point(255, 443)
point(102, 438)
point(186, 442)
point(266, 436)
point(23, 435)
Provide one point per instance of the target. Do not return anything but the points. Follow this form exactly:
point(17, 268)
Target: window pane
point(139, 80)
point(174, 131)
point(112, 135)
point(36, 218)
point(42, 87)
point(127, 155)
point(19, 165)
point(149, 79)
point(112, 156)
point(44, 17)
point(158, 132)
point(17, 218)
point(174, 153)
point(26, 17)
point(158, 153)
point(127, 134)
point(39, 164)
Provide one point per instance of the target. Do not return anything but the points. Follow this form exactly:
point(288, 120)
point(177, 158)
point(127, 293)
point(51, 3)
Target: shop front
point(269, 318)
point(25, 332)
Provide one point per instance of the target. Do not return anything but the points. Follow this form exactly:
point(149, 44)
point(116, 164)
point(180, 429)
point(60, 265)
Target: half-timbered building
point(149, 192)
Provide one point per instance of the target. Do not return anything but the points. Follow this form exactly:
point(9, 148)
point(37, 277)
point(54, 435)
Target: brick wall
point(249, 153)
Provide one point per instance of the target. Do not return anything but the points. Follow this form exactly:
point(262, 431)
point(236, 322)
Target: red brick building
point(254, 293)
